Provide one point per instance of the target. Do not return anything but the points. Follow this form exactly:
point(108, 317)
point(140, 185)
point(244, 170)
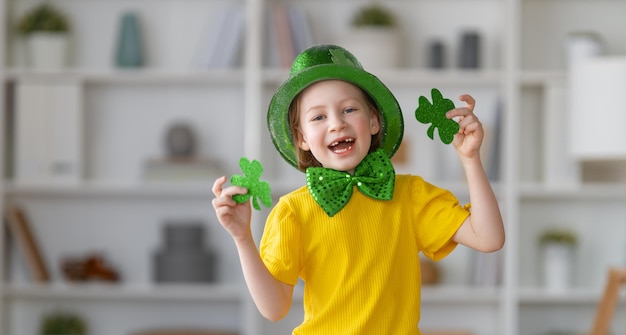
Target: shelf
point(138, 76)
point(201, 188)
point(147, 293)
point(460, 295)
point(96, 189)
point(542, 78)
point(581, 192)
point(408, 77)
point(445, 295)
point(574, 296)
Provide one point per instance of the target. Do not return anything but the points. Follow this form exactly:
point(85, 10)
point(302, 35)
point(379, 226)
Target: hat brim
point(278, 112)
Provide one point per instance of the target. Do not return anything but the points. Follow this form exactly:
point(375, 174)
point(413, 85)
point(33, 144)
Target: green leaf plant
point(251, 179)
point(435, 114)
point(43, 18)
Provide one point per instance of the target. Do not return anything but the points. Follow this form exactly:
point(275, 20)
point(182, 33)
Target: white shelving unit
point(126, 113)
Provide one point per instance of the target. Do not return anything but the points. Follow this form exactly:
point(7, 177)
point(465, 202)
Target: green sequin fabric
point(332, 189)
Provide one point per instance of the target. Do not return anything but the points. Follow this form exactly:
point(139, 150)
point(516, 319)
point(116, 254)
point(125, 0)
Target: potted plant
point(46, 30)
point(374, 16)
point(557, 246)
point(63, 323)
point(374, 37)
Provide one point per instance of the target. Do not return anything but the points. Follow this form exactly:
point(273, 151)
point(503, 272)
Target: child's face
point(336, 124)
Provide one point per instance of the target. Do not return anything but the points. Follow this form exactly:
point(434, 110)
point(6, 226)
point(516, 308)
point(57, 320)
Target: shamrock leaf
point(257, 189)
point(435, 114)
point(340, 58)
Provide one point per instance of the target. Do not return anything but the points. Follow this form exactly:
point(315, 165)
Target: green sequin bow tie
point(332, 189)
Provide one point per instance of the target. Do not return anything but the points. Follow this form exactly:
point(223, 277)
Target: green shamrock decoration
point(257, 189)
point(339, 57)
point(435, 113)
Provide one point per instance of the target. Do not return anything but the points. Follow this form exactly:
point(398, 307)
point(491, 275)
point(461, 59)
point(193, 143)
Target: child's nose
point(337, 123)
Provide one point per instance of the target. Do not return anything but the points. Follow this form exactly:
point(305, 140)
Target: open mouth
point(341, 146)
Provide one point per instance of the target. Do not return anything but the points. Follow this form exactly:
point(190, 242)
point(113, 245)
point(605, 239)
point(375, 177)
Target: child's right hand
point(234, 217)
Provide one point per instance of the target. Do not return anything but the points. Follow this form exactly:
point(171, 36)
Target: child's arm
point(483, 230)
point(272, 297)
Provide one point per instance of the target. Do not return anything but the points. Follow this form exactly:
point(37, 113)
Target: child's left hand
point(471, 133)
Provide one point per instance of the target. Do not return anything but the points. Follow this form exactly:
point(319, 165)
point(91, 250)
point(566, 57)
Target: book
point(48, 132)
point(494, 145)
point(22, 233)
point(224, 42)
point(271, 57)
point(302, 34)
point(287, 33)
point(181, 169)
point(230, 50)
point(486, 269)
point(284, 38)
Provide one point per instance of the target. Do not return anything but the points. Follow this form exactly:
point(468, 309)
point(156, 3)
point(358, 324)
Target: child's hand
point(234, 217)
point(471, 133)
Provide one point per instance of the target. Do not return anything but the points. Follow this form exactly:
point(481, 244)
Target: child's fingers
point(466, 110)
point(468, 118)
point(470, 102)
point(217, 185)
point(228, 191)
point(460, 111)
point(232, 190)
point(471, 127)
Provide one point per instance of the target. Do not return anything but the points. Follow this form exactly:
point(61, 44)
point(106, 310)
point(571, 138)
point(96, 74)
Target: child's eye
point(349, 110)
point(317, 118)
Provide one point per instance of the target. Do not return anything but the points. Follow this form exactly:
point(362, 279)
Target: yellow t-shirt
point(361, 266)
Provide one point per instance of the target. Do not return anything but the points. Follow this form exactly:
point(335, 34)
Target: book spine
point(48, 132)
point(284, 38)
point(30, 151)
point(27, 244)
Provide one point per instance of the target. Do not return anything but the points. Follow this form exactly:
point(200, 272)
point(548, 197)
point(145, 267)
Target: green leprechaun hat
point(326, 62)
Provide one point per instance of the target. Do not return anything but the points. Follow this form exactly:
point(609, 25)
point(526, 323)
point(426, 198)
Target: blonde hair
point(306, 158)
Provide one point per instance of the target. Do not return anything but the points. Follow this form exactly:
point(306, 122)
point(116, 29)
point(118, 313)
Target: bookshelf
point(125, 114)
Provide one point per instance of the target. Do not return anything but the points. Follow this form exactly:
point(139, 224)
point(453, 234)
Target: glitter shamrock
point(435, 113)
point(339, 57)
point(257, 189)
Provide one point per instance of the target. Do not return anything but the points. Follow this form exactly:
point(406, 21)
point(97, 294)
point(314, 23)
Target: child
point(353, 234)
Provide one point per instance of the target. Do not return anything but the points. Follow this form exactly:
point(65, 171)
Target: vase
point(582, 45)
point(436, 55)
point(129, 51)
point(469, 50)
point(47, 50)
point(374, 47)
point(557, 266)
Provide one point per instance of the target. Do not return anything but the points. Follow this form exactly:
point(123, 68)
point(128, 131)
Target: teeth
point(349, 140)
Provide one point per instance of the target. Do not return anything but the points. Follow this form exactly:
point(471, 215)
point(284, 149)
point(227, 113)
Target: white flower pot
point(374, 47)
point(47, 51)
point(557, 266)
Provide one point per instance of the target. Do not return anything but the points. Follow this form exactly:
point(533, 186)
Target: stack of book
point(181, 169)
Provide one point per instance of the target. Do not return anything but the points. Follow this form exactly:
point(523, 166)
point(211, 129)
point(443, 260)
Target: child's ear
point(302, 143)
point(374, 124)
